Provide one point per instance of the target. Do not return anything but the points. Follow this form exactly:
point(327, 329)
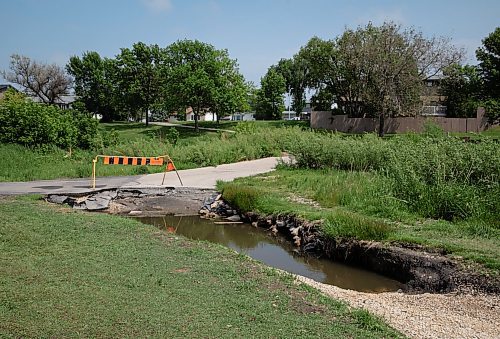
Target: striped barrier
point(135, 161)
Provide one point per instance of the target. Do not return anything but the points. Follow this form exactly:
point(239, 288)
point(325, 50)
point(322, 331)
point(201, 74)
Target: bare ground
point(426, 315)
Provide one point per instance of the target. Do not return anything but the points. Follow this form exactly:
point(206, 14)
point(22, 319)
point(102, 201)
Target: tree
point(462, 87)
point(46, 82)
point(377, 71)
point(270, 101)
point(96, 84)
point(489, 63)
point(140, 77)
point(201, 77)
point(294, 71)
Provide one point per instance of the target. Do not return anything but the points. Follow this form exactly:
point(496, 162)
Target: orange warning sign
point(135, 161)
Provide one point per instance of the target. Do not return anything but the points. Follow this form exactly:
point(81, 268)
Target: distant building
point(304, 115)
point(63, 102)
point(4, 88)
point(242, 117)
point(433, 103)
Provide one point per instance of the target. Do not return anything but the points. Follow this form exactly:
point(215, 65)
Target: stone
point(95, 204)
point(57, 199)
point(135, 213)
point(234, 218)
point(280, 223)
point(294, 231)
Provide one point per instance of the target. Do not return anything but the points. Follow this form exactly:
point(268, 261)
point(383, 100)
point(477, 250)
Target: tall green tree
point(489, 63)
point(294, 71)
point(270, 96)
point(462, 86)
point(377, 71)
point(96, 84)
point(140, 77)
point(201, 77)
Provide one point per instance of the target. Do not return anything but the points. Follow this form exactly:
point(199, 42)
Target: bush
point(38, 125)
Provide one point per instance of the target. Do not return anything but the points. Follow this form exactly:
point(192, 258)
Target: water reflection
point(274, 252)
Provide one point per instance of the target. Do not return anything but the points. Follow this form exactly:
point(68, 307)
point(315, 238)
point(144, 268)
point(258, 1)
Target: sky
point(257, 33)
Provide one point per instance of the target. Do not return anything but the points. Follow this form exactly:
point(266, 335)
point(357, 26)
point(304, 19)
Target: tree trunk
point(196, 113)
point(147, 115)
point(381, 123)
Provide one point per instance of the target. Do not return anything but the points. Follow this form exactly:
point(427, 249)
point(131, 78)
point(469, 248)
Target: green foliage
point(270, 101)
point(433, 130)
point(439, 177)
point(492, 107)
point(462, 87)
point(243, 197)
point(39, 125)
point(353, 225)
point(489, 63)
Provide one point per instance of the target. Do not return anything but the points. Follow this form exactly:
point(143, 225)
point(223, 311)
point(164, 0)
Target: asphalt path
point(205, 177)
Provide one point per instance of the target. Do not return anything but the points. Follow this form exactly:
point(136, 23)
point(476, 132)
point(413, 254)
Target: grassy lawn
point(66, 273)
point(359, 205)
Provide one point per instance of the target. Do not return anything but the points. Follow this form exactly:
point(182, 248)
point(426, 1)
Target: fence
point(342, 123)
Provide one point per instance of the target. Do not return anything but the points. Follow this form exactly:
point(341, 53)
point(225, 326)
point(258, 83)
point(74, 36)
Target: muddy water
point(274, 251)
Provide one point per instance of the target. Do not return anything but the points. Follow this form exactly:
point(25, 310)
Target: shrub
point(38, 125)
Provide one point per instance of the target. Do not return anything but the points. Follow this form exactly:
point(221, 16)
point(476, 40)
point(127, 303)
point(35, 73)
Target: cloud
point(158, 5)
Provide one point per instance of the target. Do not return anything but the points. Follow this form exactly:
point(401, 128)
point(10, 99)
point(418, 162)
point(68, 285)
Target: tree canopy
point(270, 100)
point(374, 71)
point(95, 84)
point(43, 81)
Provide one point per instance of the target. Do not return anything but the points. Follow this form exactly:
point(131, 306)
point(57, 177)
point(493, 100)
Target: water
point(274, 251)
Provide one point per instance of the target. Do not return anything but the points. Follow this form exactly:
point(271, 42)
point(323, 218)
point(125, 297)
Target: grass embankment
point(187, 148)
point(66, 273)
point(435, 191)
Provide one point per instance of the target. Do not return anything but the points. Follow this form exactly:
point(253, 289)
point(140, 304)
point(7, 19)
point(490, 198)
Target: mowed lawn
point(65, 273)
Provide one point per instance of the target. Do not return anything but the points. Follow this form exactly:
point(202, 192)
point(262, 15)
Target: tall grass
point(439, 177)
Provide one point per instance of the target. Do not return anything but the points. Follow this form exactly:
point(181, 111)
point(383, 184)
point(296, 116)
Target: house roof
point(4, 87)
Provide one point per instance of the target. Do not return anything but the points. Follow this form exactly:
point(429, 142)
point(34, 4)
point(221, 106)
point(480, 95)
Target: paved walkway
point(205, 177)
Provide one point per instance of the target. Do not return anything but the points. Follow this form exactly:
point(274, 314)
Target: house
point(63, 102)
point(203, 116)
point(4, 88)
point(433, 103)
point(242, 116)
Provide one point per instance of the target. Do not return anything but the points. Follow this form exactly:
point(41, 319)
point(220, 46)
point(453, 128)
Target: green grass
point(190, 150)
point(360, 205)
point(65, 273)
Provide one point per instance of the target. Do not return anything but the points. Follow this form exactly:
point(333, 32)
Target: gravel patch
point(426, 315)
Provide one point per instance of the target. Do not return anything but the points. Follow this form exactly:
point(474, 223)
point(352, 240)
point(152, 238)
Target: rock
point(57, 199)
point(203, 211)
point(255, 224)
point(95, 204)
point(234, 218)
point(214, 205)
point(135, 213)
point(294, 231)
point(280, 223)
point(296, 241)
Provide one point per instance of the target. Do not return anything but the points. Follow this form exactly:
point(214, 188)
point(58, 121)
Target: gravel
point(426, 315)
